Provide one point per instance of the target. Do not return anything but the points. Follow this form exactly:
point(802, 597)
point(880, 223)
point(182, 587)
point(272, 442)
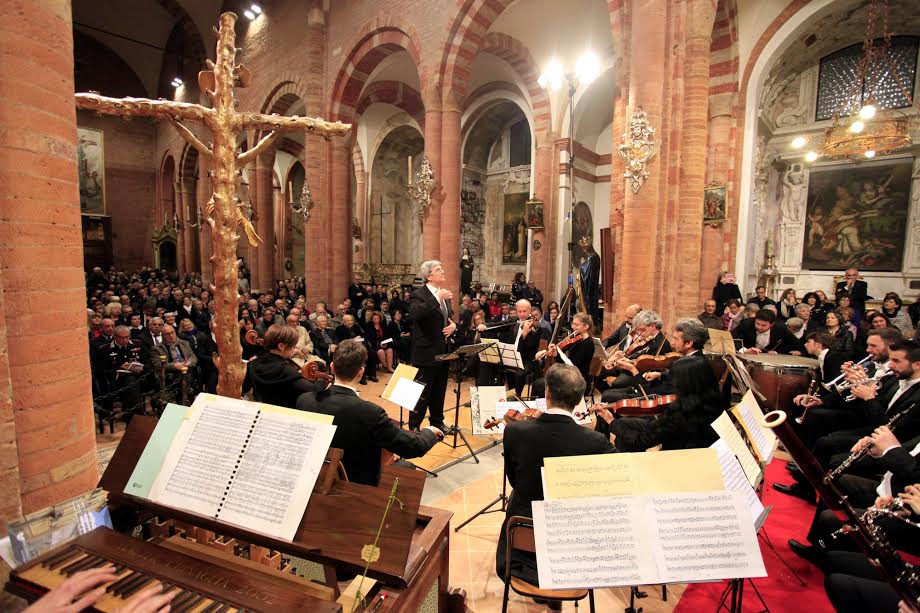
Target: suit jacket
point(363, 429)
point(905, 468)
point(427, 323)
point(858, 294)
point(357, 294)
point(528, 443)
point(781, 340)
point(832, 363)
point(878, 413)
point(617, 337)
point(527, 346)
point(188, 354)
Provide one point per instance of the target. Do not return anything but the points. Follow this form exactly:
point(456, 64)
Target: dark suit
point(205, 349)
point(618, 336)
point(858, 295)
point(780, 340)
point(527, 444)
point(357, 294)
point(527, 346)
point(322, 341)
point(363, 429)
point(428, 341)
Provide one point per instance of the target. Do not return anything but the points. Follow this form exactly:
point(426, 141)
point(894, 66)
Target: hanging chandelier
point(860, 129)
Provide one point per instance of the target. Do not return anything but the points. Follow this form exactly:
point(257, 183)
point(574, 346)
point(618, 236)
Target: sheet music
point(406, 393)
point(510, 355)
point(658, 538)
point(751, 417)
point(483, 407)
point(726, 430)
point(210, 441)
point(735, 479)
point(590, 542)
point(277, 472)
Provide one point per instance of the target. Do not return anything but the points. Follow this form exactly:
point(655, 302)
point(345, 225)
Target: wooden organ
point(178, 548)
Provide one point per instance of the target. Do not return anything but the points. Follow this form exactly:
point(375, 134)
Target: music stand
point(456, 357)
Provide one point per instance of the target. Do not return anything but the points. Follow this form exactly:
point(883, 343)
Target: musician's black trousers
point(632, 433)
point(434, 378)
point(854, 585)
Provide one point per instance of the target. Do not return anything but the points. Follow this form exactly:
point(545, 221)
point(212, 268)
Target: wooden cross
point(223, 210)
point(379, 214)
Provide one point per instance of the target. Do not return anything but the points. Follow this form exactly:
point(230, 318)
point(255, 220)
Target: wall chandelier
point(860, 129)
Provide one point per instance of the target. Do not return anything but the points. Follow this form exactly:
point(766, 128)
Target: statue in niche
point(794, 191)
point(466, 271)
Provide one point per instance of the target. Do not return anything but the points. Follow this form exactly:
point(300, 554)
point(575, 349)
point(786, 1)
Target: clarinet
point(863, 451)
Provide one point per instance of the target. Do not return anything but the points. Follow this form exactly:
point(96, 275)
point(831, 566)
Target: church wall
point(499, 184)
point(130, 185)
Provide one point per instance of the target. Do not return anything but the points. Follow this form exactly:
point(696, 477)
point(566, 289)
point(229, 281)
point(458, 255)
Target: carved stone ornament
point(305, 204)
point(420, 190)
point(637, 149)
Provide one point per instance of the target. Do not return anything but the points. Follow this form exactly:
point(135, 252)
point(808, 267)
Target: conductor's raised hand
point(445, 294)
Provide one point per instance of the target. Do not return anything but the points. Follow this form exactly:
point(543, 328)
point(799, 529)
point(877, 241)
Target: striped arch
point(396, 93)
point(518, 56)
point(377, 40)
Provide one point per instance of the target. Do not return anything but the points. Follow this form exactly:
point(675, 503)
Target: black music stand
point(502, 498)
point(457, 357)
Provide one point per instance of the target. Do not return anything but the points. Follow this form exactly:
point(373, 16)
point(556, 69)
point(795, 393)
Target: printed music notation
point(630, 540)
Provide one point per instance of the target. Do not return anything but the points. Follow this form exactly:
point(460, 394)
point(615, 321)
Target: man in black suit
point(429, 310)
point(526, 339)
point(153, 335)
point(618, 338)
point(363, 429)
point(761, 334)
point(760, 297)
point(856, 289)
point(529, 442)
point(357, 294)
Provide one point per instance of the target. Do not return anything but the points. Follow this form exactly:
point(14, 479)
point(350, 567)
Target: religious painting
point(514, 230)
point(856, 216)
point(582, 226)
point(534, 210)
point(91, 169)
point(714, 204)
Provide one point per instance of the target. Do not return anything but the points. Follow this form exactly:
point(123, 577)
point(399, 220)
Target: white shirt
point(348, 387)
point(763, 339)
point(821, 357)
point(884, 488)
point(555, 411)
point(903, 386)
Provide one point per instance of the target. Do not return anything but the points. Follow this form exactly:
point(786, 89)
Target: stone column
point(180, 227)
point(431, 231)
point(719, 163)
point(263, 277)
point(317, 230)
point(46, 410)
point(203, 191)
point(361, 213)
point(339, 248)
point(540, 265)
point(190, 239)
point(449, 253)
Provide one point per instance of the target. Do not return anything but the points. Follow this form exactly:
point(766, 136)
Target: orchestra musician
point(579, 350)
point(763, 334)
point(528, 443)
point(274, 376)
point(430, 311)
point(646, 339)
point(524, 336)
point(621, 336)
point(363, 429)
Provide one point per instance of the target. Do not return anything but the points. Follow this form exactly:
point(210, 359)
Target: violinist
point(646, 339)
point(578, 348)
point(685, 423)
point(622, 336)
point(687, 339)
point(524, 334)
point(362, 427)
point(275, 378)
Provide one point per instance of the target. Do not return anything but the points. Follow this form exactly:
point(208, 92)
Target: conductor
point(429, 309)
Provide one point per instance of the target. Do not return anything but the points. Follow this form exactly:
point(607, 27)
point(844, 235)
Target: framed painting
point(91, 169)
point(534, 209)
point(856, 216)
point(514, 229)
point(714, 204)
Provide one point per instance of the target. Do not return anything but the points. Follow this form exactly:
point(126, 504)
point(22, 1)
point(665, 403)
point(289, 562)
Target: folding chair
point(519, 536)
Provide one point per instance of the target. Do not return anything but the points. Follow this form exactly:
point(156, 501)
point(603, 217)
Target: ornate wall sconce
point(420, 189)
point(637, 149)
point(304, 204)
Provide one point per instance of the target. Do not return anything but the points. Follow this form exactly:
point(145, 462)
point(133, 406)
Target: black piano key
point(222, 608)
point(80, 565)
point(131, 581)
point(180, 595)
point(74, 562)
point(181, 600)
point(136, 586)
point(114, 587)
point(61, 561)
point(61, 555)
point(191, 604)
point(212, 608)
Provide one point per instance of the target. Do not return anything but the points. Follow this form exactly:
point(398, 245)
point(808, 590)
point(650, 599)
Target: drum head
point(776, 361)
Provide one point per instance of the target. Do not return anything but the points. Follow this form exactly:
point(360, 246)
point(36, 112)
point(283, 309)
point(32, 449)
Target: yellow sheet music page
point(403, 371)
point(610, 474)
point(726, 430)
point(681, 470)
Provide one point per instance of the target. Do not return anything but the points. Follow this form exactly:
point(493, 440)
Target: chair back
point(518, 535)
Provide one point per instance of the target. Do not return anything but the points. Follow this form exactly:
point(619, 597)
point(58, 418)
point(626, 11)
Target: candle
point(291, 189)
point(410, 170)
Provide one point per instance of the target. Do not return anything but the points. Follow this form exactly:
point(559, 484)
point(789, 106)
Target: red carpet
point(789, 518)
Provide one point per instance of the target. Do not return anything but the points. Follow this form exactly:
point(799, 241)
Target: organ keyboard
point(198, 584)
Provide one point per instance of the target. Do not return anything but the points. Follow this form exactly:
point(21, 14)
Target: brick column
point(361, 213)
point(540, 261)
point(719, 169)
point(431, 231)
point(689, 232)
point(203, 191)
point(318, 229)
point(263, 277)
point(186, 211)
point(178, 196)
point(449, 253)
point(41, 254)
point(339, 247)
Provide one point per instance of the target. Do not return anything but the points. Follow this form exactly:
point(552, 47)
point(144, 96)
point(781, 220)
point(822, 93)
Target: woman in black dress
point(578, 352)
point(350, 329)
point(466, 272)
point(724, 290)
point(275, 378)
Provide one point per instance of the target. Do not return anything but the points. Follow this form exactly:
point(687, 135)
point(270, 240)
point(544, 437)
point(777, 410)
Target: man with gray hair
point(803, 312)
point(646, 338)
point(432, 328)
point(620, 336)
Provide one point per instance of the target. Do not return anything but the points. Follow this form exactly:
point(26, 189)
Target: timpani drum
point(780, 377)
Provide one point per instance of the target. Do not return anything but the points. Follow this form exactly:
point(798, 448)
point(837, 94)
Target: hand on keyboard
point(78, 592)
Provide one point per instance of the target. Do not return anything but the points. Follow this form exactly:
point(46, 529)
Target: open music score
point(249, 464)
point(727, 432)
point(749, 415)
point(645, 539)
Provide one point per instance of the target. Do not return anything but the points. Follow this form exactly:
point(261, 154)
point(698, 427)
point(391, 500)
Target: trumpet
point(842, 387)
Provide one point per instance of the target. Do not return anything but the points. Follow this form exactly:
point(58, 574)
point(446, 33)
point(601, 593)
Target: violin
point(571, 339)
point(653, 363)
point(513, 415)
point(654, 404)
